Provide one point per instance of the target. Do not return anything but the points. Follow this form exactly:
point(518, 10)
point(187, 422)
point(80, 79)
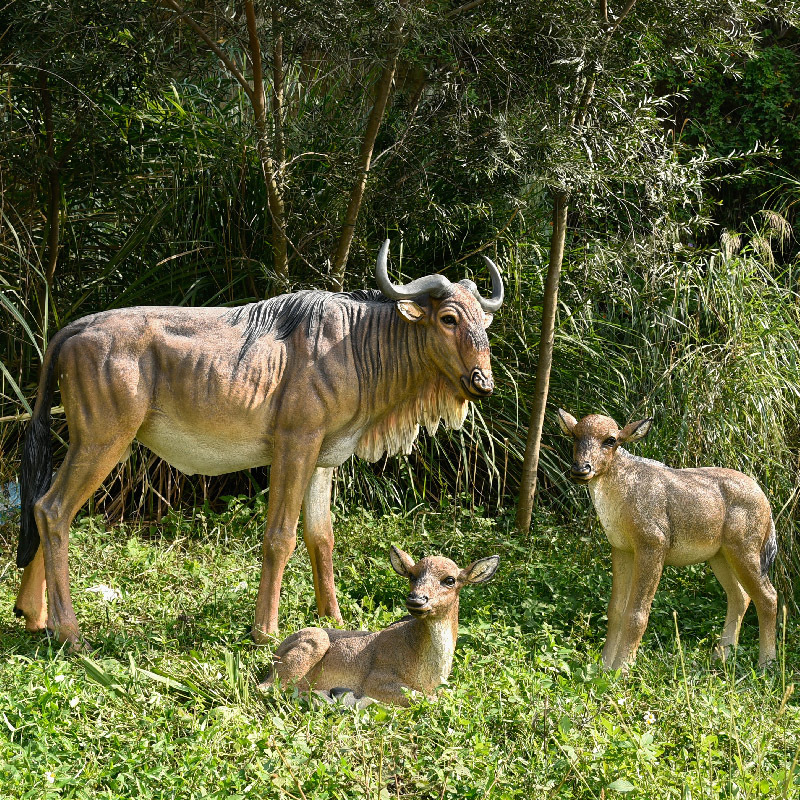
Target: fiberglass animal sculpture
point(655, 515)
point(414, 654)
point(300, 382)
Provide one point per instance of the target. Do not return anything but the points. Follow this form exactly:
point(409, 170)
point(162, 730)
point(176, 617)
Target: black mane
point(281, 315)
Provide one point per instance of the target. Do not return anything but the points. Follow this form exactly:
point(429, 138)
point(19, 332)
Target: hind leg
point(31, 601)
point(297, 656)
point(738, 600)
point(318, 536)
point(747, 568)
point(83, 470)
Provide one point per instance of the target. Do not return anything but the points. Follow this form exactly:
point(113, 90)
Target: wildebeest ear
point(401, 562)
point(409, 310)
point(487, 320)
point(634, 431)
point(566, 421)
point(480, 571)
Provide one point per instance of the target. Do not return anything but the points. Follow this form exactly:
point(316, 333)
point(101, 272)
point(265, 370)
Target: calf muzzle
point(581, 472)
point(417, 604)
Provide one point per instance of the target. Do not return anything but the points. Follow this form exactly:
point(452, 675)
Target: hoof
point(720, 653)
point(268, 682)
point(33, 624)
point(72, 643)
point(263, 637)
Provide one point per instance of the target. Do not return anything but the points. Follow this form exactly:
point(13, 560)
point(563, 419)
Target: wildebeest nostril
point(581, 469)
point(481, 383)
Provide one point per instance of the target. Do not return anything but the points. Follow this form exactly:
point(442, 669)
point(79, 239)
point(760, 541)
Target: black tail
point(36, 469)
point(769, 550)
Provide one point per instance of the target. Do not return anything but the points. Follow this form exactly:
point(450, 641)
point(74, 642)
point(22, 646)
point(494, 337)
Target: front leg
point(318, 536)
point(648, 563)
point(294, 459)
point(621, 576)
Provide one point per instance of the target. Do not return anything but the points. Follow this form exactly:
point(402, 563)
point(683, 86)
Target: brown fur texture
point(655, 515)
point(415, 654)
point(300, 382)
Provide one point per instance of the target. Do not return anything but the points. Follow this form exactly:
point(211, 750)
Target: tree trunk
point(274, 192)
point(530, 465)
point(384, 86)
point(255, 94)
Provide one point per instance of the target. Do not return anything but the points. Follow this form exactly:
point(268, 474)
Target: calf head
point(595, 441)
point(456, 317)
point(436, 581)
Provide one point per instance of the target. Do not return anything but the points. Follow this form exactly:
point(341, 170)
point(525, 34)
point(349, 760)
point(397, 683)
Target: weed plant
point(166, 704)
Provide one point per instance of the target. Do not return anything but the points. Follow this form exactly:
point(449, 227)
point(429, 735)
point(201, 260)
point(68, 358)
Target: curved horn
point(491, 304)
point(434, 285)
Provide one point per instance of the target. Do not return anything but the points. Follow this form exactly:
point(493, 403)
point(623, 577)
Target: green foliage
point(162, 203)
point(736, 106)
point(166, 705)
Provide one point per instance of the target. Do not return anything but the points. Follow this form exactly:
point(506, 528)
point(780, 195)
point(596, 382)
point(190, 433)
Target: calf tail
point(769, 550)
point(36, 469)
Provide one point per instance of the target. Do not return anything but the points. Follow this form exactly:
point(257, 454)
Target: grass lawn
point(166, 705)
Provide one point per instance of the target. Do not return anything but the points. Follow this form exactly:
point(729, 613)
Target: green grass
point(166, 706)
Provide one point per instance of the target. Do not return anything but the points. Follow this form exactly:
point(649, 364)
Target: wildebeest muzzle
point(479, 384)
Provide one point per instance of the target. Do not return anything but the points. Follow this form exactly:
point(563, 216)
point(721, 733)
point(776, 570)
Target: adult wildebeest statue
point(300, 382)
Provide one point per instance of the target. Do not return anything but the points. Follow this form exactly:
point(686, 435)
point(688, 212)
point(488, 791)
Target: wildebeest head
point(457, 317)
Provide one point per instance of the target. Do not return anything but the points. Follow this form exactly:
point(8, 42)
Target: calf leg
point(747, 568)
point(738, 600)
point(622, 572)
point(318, 536)
point(648, 563)
point(297, 656)
point(32, 601)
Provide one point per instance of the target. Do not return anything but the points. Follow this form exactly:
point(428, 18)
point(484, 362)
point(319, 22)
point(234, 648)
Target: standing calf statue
point(655, 515)
point(300, 382)
point(413, 654)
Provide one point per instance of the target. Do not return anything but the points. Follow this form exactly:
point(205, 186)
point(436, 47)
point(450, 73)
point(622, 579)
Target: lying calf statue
point(655, 515)
point(415, 653)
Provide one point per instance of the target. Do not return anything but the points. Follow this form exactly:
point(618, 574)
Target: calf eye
point(449, 581)
point(610, 442)
point(449, 320)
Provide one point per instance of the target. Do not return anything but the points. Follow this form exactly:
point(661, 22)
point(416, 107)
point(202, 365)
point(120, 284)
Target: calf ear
point(566, 421)
point(410, 311)
point(480, 571)
point(401, 562)
point(634, 431)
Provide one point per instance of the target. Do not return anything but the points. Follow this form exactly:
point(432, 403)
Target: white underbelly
point(198, 452)
point(682, 553)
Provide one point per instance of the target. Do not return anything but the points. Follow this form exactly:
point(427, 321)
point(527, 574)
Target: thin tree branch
point(383, 88)
point(277, 92)
point(462, 9)
point(53, 185)
point(218, 51)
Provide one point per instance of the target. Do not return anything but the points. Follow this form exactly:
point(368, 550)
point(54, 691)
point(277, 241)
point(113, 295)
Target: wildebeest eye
point(449, 581)
point(610, 442)
point(450, 320)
